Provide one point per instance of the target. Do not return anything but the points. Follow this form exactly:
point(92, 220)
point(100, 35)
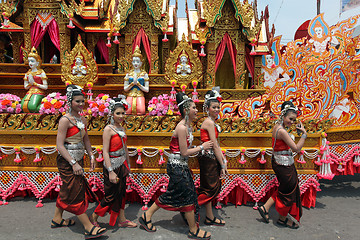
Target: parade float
point(226, 43)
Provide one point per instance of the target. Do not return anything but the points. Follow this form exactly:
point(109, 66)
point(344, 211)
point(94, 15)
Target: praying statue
point(79, 69)
point(136, 82)
point(183, 67)
point(35, 81)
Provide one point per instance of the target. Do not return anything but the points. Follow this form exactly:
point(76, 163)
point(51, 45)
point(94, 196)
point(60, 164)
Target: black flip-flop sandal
point(196, 235)
point(208, 221)
point(144, 224)
point(99, 232)
point(282, 223)
point(264, 214)
point(62, 223)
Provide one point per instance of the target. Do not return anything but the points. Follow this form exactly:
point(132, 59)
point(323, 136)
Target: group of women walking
point(181, 195)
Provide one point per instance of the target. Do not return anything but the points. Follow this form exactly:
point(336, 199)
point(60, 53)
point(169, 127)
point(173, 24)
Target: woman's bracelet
point(92, 157)
point(110, 169)
point(304, 135)
point(223, 166)
point(201, 148)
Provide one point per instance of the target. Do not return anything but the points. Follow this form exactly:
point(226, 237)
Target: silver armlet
point(201, 148)
point(304, 135)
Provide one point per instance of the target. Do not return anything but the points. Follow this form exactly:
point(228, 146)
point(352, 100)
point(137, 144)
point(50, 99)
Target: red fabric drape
point(250, 62)
point(103, 49)
point(141, 37)
point(226, 42)
point(38, 32)
point(53, 30)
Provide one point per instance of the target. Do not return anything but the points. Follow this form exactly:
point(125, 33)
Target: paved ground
point(336, 216)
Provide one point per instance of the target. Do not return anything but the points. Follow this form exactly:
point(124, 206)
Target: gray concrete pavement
point(336, 216)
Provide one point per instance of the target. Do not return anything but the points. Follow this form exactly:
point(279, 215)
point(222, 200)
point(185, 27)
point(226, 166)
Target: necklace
point(78, 122)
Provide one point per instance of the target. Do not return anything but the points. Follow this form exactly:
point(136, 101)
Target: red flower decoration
point(126, 107)
point(219, 99)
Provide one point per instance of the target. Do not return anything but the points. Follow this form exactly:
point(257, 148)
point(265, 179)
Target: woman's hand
point(207, 145)
point(77, 169)
point(223, 172)
point(113, 178)
point(92, 164)
point(300, 126)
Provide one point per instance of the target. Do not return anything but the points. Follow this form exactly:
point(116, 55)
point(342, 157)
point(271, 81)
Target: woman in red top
point(116, 167)
point(71, 141)
point(212, 162)
point(180, 194)
point(287, 197)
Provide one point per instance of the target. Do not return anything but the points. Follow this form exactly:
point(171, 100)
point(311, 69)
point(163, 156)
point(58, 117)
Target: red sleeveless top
point(116, 143)
point(174, 144)
point(204, 135)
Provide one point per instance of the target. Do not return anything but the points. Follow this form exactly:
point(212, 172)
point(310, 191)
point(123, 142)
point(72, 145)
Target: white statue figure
point(183, 68)
point(272, 73)
point(79, 69)
point(136, 82)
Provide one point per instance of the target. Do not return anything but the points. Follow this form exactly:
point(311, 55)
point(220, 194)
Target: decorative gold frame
point(92, 68)
point(170, 67)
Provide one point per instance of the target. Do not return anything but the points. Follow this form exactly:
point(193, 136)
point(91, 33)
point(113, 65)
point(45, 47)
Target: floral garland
point(162, 105)
point(54, 103)
point(9, 103)
point(99, 107)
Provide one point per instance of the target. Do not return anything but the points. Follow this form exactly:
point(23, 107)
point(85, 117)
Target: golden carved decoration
point(88, 59)
point(193, 60)
point(202, 33)
point(119, 18)
point(8, 8)
point(244, 13)
point(69, 10)
point(155, 124)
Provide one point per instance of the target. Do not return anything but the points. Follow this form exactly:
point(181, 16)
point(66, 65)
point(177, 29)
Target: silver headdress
point(113, 103)
point(186, 105)
point(70, 94)
point(217, 96)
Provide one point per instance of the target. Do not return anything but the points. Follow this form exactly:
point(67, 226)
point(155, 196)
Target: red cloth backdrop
point(38, 31)
point(250, 62)
point(141, 37)
point(103, 49)
point(226, 42)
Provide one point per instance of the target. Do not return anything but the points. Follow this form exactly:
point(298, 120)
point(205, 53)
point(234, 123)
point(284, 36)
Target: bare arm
point(209, 126)
point(88, 147)
point(181, 132)
point(296, 147)
point(106, 147)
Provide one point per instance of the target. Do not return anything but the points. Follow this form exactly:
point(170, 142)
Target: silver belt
point(118, 153)
point(76, 151)
point(116, 162)
point(74, 146)
point(177, 159)
point(284, 158)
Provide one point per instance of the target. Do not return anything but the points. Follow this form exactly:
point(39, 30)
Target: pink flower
point(106, 110)
point(18, 110)
point(106, 104)
point(10, 110)
point(62, 109)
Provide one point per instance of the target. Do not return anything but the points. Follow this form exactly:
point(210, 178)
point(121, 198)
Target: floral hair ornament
point(71, 90)
point(122, 102)
point(217, 96)
point(287, 108)
point(185, 99)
